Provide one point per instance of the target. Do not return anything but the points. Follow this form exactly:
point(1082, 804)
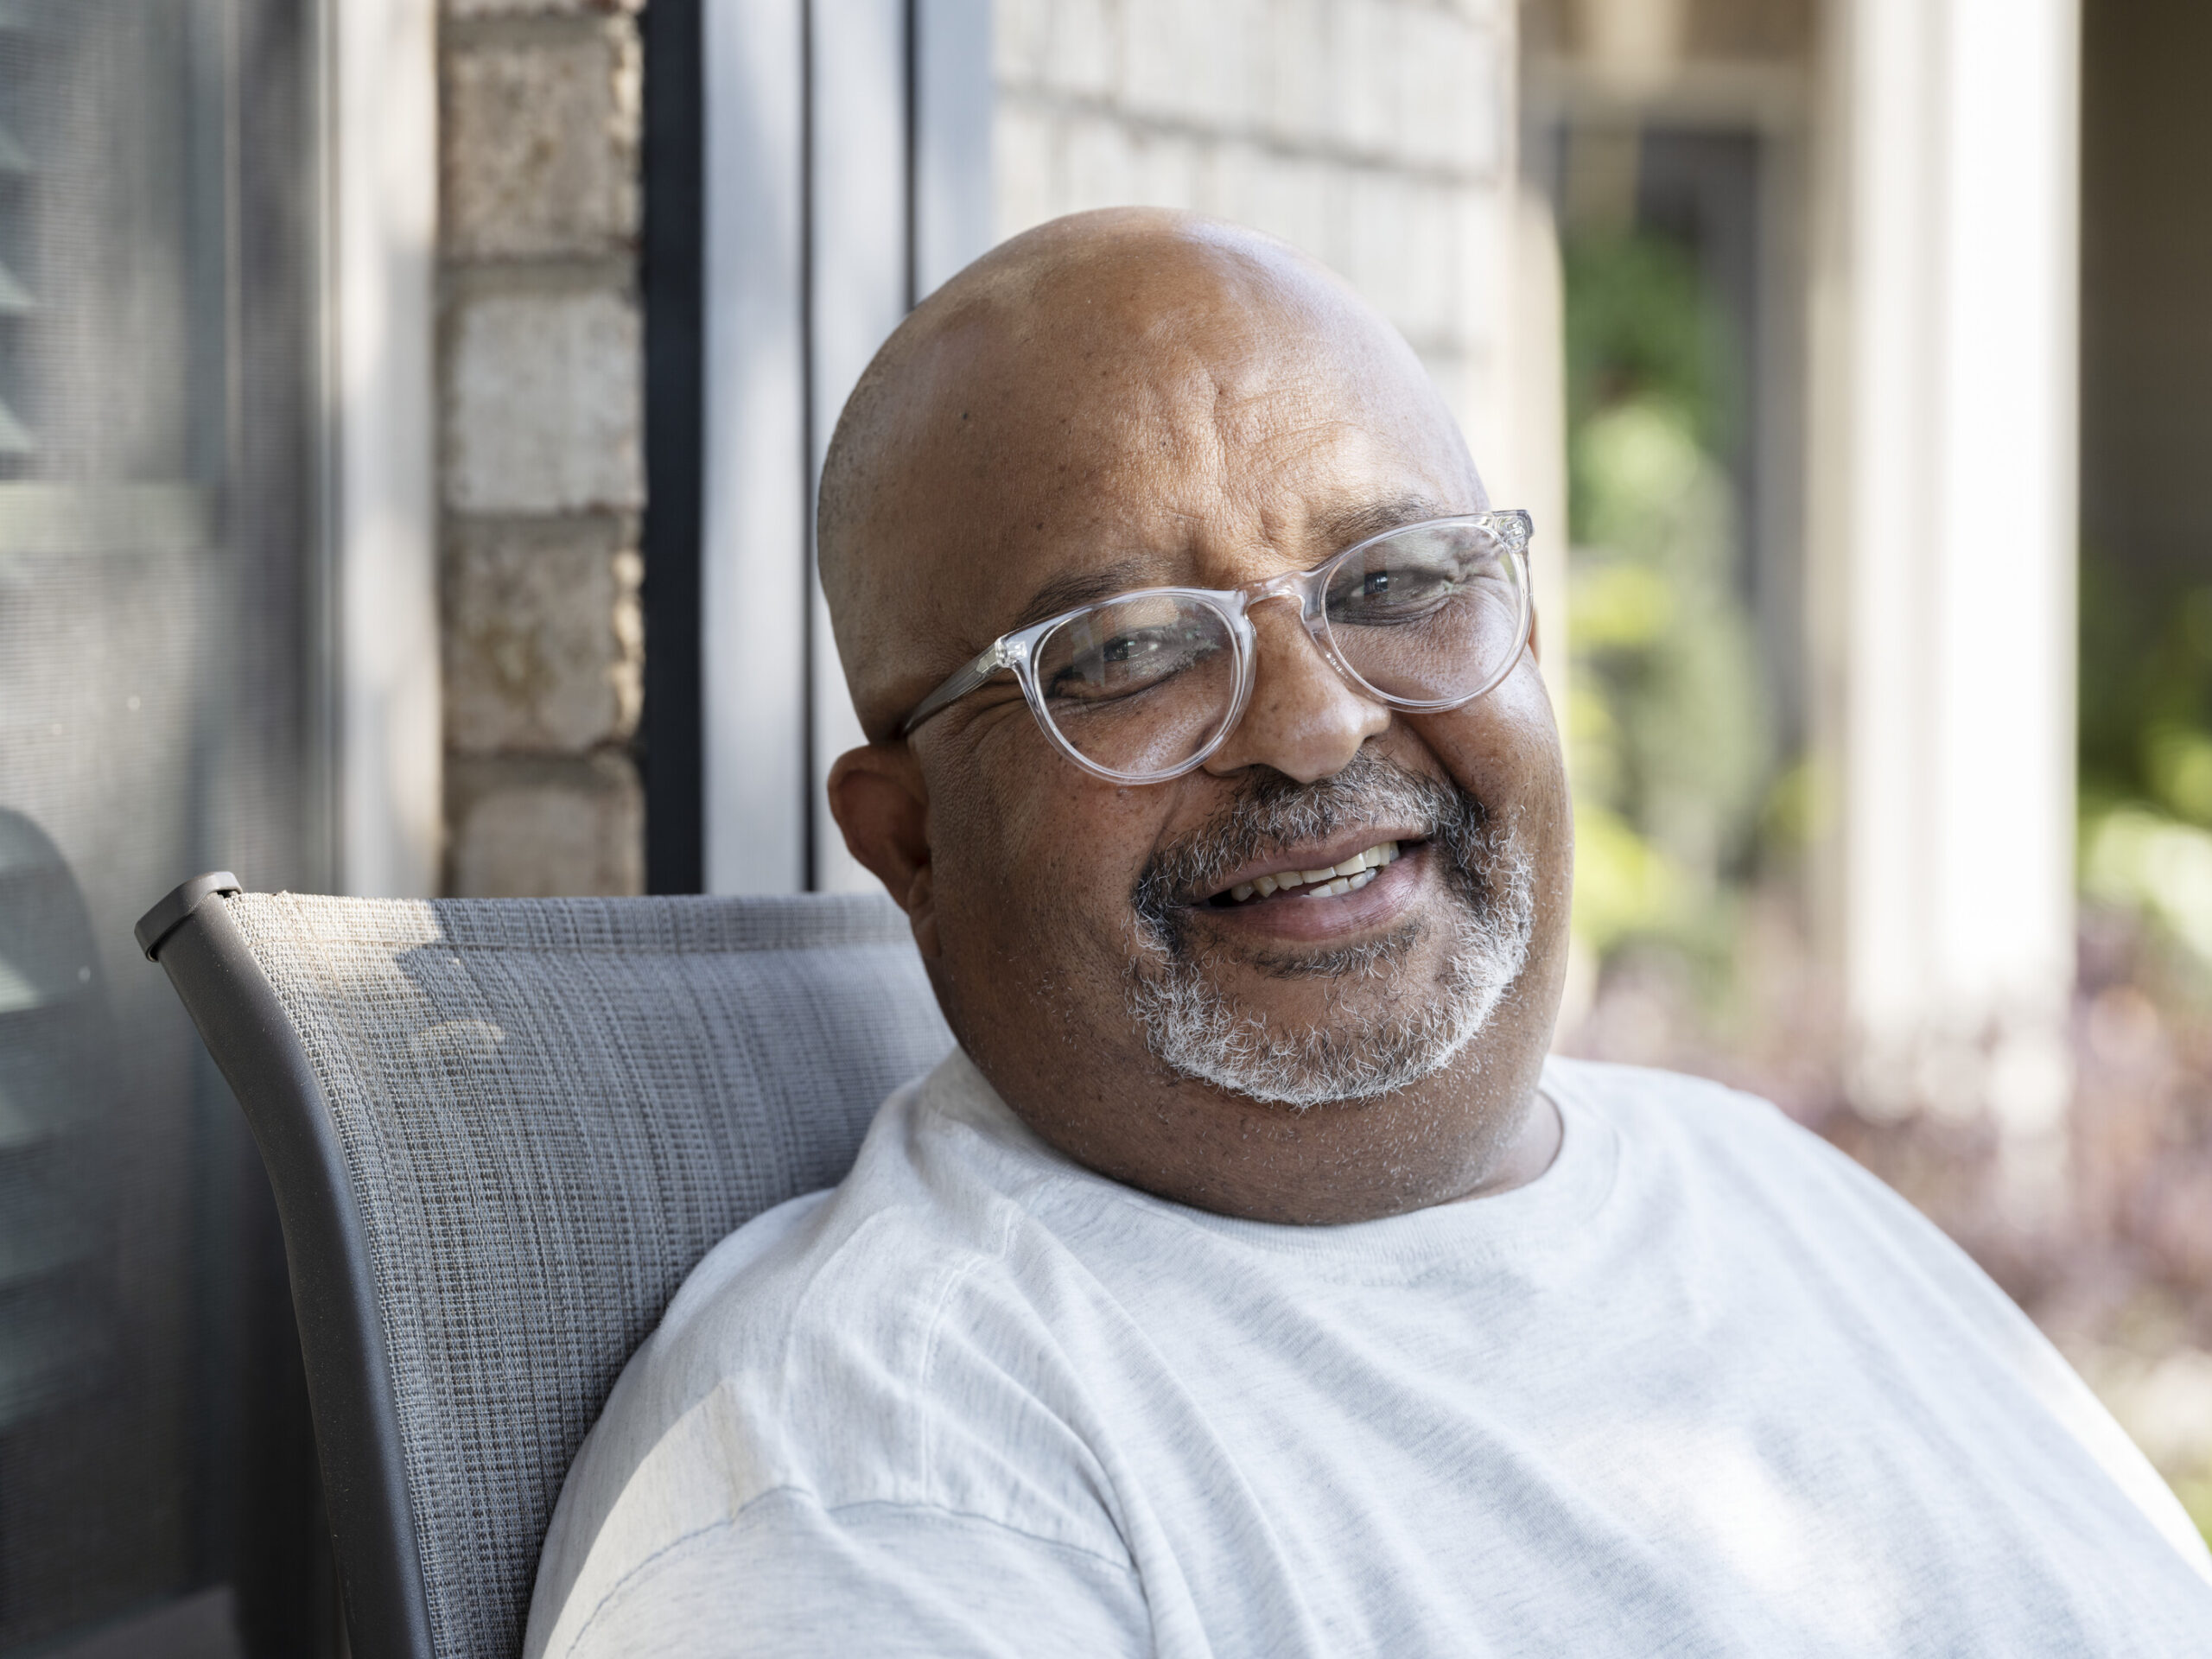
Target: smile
point(1349, 876)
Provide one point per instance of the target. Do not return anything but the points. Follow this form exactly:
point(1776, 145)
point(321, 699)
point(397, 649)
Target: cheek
point(1504, 747)
point(1038, 865)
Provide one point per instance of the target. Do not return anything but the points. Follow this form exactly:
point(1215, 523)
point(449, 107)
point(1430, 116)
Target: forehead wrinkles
point(1210, 452)
point(1134, 421)
point(1148, 465)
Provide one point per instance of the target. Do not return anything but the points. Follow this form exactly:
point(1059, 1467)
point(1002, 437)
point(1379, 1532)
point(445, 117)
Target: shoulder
point(1675, 1114)
point(1737, 1172)
point(876, 1578)
point(873, 1344)
point(822, 1320)
point(1725, 1176)
point(1719, 1155)
point(1646, 1092)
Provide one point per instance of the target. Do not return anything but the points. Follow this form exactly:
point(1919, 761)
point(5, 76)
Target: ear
point(1535, 634)
point(881, 802)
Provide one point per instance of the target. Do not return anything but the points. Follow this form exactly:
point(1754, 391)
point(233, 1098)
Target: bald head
point(1071, 398)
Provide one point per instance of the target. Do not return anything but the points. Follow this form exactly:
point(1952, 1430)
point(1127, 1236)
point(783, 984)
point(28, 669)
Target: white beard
point(1200, 1032)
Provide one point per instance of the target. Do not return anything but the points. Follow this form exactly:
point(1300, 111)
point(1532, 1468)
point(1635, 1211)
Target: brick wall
point(540, 462)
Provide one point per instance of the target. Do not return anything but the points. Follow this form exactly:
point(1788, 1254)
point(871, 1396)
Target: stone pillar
point(541, 461)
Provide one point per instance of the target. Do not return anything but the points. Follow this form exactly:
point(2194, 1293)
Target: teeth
point(1349, 876)
point(1341, 884)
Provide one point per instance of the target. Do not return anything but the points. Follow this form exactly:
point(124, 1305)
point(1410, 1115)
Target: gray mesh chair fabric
point(549, 1110)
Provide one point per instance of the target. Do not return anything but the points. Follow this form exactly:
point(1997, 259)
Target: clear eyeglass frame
point(1017, 651)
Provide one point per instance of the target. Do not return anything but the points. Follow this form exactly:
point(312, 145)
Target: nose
point(1304, 719)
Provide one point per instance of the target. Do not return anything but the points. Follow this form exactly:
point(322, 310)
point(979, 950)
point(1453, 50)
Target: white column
point(1958, 771)
point(755, 461)
point(382, 173)
point(858, 284)
point(954, 101)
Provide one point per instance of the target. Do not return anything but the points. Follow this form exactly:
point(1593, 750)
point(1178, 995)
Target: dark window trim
point(672, 750)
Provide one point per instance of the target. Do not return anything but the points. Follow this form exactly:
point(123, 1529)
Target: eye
point(1127, 660)
point(1401, 590)
point(1133, 650)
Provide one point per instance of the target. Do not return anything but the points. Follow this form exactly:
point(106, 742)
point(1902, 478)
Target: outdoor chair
point(500, 1132)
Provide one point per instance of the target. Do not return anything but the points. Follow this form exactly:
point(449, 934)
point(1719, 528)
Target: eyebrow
point(1338, 530)
point(1354, 525)
point(1072, 588)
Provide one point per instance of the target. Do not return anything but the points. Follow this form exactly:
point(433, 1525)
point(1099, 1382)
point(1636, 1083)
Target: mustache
point(1272, 812)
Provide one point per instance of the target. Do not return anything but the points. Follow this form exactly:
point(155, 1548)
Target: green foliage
point(1667, 724)
point(2195, 1496)
point(2136, 857)
point(2145, 753)
point(2145, 691)
point(1640, 325)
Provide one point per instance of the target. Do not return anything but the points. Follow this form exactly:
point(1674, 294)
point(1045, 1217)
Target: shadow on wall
point(58, 1094)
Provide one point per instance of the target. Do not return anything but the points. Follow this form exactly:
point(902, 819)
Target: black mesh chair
point(500, 1132)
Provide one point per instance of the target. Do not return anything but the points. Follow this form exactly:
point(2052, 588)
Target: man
point(1247, 1282)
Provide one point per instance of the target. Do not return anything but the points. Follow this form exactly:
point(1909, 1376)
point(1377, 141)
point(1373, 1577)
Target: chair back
point(500, 1132)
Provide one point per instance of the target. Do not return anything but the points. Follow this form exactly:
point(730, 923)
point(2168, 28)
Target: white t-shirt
point(1703, 1388)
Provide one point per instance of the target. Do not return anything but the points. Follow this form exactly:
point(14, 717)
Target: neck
point(1449, 1139)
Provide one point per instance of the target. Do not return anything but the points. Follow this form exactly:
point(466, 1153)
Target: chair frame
point(258, 1050)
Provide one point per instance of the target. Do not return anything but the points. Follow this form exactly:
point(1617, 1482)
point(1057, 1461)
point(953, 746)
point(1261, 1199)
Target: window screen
point(160, 712)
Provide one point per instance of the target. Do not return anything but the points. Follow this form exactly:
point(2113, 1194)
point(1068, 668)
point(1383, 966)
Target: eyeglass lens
point(1141, 686)
point(1428, 616)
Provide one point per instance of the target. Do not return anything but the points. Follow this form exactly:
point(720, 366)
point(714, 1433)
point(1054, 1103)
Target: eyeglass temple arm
point(987, 662)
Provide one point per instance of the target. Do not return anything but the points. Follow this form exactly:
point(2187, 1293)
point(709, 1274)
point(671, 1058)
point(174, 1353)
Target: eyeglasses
point(1143, 687)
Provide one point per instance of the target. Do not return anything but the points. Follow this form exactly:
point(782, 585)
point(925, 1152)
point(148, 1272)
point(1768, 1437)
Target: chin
point(1392, 1026)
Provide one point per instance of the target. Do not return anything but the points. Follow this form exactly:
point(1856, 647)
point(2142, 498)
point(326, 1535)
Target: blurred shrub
point(2147, 688)
point(1640, 323)
point(2138, 859)
point(2146, 747)
point(1671, 745)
